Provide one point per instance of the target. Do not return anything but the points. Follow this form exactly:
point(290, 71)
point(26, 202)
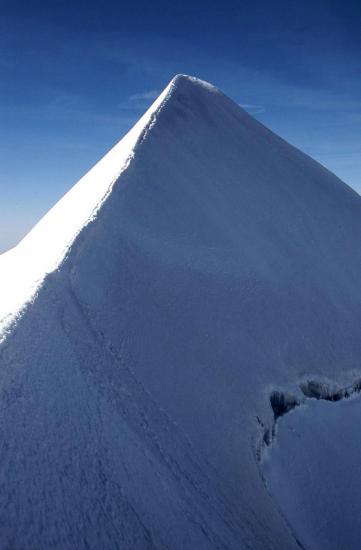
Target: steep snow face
point(221, 264)
point(22, 269)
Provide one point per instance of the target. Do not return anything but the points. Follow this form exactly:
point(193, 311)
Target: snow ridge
point(24, 268)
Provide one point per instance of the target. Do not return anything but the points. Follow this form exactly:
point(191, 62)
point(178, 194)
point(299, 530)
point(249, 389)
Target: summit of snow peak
point(186, 82)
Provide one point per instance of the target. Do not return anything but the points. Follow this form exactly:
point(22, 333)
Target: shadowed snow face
point(313, 471)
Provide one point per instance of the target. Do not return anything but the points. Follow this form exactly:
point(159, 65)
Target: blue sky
point(76, 75)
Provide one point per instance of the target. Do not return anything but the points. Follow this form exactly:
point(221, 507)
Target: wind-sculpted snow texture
point(136, 373)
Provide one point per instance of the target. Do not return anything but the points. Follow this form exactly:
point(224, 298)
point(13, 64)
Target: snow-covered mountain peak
point(202, 267)
point(23, 268)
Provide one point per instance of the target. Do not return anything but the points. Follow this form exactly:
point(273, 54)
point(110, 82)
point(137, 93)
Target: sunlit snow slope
point(201, 264)
point(22, 269)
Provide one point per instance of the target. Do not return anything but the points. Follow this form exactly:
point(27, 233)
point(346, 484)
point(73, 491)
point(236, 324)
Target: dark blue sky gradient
point(76, 75)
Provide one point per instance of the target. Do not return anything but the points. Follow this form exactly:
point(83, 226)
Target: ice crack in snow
point(282, 402)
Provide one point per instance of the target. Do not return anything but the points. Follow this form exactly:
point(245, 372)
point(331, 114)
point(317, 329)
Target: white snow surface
point(23, 269)
point(313, 469)
point(201, 264)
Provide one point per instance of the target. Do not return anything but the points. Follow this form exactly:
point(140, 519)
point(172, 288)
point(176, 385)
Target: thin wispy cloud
point(151, 94)
point(139, 100)
point(252, 109)
point(61, 107)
